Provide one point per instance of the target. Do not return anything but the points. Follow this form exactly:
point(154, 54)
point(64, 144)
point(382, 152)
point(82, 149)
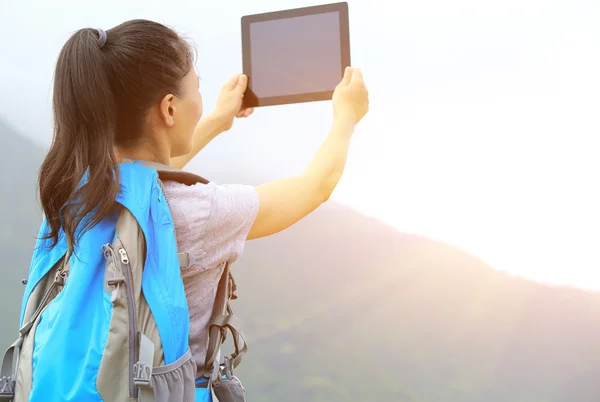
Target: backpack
point(110, 321)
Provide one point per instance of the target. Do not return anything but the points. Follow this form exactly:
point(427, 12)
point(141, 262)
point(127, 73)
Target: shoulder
point(215, 217)
point(222, 202)
point(179, 189)
point(210, 191)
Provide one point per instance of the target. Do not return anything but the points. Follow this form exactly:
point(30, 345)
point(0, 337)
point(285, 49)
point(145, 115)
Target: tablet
point(296, 55)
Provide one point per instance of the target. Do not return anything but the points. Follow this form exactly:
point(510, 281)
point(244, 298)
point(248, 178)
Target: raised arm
point(284, 202)
point(229, 106)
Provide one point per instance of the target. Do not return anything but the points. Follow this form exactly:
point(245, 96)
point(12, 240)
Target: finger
point(244, 112)
point(356, 77)
point(242, 82)
point(348, 72)
point(232, 82)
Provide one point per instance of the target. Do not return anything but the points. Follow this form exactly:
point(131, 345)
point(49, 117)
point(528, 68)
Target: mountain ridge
point(343, 306)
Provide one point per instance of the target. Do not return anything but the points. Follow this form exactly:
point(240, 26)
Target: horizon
point(336, 204)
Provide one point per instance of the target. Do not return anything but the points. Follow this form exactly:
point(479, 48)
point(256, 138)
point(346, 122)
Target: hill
point(343, 307)
point(360, 307)
point(20, 218)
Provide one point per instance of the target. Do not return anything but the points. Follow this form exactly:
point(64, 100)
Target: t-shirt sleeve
point(232, 213)
point(212, 221)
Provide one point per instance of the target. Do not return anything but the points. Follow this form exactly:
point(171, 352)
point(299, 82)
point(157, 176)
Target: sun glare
point(517, 192)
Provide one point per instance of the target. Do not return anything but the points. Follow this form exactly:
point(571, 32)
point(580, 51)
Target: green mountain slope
point(360, 306)
point(343, 307)
point(20, 219)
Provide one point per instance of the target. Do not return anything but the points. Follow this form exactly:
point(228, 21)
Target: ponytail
point(104, 85)
point(84, 134)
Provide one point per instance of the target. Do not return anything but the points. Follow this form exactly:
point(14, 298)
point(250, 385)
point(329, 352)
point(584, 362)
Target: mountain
point(360, 307)
point(20, 218)
point(343, 307)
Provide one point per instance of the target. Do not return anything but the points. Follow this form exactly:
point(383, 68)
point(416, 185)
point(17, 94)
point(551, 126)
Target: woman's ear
point(167, 110)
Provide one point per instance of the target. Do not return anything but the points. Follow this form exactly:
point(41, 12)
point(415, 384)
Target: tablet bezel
point(250, 98)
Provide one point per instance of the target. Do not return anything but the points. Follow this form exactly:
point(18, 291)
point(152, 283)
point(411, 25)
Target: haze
point(484, 121)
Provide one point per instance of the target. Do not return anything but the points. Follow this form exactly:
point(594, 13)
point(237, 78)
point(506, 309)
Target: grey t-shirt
point(211, 223)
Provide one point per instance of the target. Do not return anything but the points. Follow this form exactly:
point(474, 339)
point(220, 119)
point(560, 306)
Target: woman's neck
point(141, 153)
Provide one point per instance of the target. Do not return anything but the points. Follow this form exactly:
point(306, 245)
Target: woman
point(132, 92)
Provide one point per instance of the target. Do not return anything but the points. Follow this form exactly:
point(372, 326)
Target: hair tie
point(101, 37)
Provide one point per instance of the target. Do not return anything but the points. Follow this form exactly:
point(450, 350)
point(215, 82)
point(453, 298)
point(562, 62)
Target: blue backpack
point(110, 321)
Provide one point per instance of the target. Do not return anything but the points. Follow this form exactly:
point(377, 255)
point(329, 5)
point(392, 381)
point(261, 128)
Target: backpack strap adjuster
point(8, 371)
point(142, 370)
point(142, 375)
point(232, 287)
point(227, 368)
point(7, 388)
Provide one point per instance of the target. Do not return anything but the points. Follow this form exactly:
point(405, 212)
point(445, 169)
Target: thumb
point(232, 82)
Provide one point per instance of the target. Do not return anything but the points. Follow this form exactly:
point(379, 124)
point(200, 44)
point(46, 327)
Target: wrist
point(344, 124)
point(215, 124)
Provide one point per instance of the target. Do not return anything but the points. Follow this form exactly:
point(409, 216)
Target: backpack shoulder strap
point(223, 319)
point(173, 174)
point(35, 307)
point(166, 172)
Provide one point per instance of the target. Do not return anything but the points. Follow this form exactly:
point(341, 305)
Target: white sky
point(484, 122)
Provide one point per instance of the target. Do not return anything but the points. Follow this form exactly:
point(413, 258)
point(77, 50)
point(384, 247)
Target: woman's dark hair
point(103, 89)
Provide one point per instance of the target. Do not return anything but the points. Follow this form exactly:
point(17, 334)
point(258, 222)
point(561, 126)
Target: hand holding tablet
point(351, 97)
point(295, 56)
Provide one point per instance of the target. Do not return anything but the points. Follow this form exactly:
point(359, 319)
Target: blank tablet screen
point(295, 55)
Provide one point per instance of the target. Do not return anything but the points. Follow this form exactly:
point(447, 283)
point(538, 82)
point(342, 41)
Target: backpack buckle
point(61, 277)
point(142, 375)
point(7, 388)
point(232, 288)
point(227, 368)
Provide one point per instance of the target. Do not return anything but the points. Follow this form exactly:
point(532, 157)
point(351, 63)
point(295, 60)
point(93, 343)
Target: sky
point(483, 130)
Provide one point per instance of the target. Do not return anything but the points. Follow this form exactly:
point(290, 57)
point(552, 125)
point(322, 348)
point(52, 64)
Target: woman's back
point(211, 225)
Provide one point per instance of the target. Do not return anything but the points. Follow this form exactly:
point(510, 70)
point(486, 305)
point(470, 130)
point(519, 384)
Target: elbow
point(322, 186)
point(323, 198)
point(316, 190)
point(324, 191)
